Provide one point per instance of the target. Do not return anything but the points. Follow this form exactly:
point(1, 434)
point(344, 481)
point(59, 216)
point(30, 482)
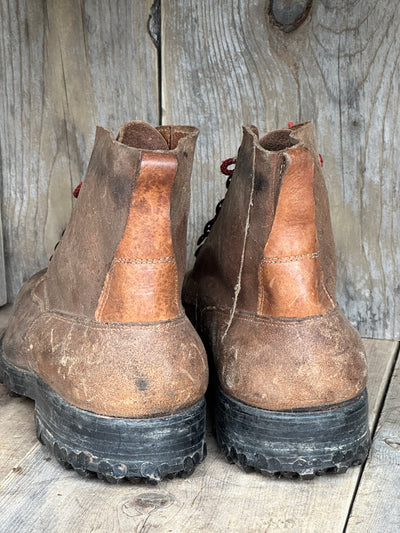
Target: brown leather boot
point(100, 340)
point(291, 369)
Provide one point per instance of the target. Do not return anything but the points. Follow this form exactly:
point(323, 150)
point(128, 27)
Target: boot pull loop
point(290, 125)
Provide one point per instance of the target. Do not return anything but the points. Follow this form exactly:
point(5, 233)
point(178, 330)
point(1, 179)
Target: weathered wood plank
point(225, 65)
point(376, 507)
point(5, 312)
point(40, 496)
point(65, 66)
point(17, 428)
point(3, 286)
point(17, 435)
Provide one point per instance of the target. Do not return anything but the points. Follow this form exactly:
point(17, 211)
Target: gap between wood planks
point(373, 432)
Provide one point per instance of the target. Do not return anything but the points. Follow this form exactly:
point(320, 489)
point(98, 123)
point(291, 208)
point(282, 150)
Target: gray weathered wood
point(224, 65)
point(3, 286)
point(17, 434)
point(38, 495)
point(376, 507)
point(17, 428)
point(5, 312)
point(65, 66)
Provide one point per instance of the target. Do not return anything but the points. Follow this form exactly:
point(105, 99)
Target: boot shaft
point(271, 249)
point(122, 257)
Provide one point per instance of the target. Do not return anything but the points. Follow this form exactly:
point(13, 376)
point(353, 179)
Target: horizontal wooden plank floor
point(37, 495)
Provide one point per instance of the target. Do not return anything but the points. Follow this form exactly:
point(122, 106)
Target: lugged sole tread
point(242, 460)
point(116, 473)
point(293, 444)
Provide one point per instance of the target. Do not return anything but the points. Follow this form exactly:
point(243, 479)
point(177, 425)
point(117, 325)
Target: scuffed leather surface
point(280, 364)
point(125, 370)
point(80, 264)
point(256, 181)
point(29, 304)
point(216, 270)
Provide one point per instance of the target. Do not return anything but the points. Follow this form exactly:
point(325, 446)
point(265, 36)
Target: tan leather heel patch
point(292, 287)
point(142, 283)
point(290, 276)
point(152, 296)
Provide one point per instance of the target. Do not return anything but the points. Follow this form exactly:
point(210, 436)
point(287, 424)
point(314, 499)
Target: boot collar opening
point(278, 140)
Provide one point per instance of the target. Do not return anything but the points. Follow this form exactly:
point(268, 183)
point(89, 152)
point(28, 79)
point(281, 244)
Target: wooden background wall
point(67, 65)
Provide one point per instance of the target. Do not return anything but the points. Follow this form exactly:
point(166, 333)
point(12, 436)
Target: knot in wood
point(288, 15)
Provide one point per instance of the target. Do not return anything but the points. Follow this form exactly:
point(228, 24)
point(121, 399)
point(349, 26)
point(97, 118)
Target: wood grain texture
point(65, 67)
point(376, 507)
point(224, 65)
point(3, 285)
point(37, 495)
point(17, 435)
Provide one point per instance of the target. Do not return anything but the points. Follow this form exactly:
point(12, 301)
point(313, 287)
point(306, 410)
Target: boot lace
point(227, 171)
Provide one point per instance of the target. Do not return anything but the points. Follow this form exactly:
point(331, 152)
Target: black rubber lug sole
point(295, 444)
point(112, 448)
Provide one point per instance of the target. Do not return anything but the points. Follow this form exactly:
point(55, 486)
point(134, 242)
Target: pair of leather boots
point(100, 339)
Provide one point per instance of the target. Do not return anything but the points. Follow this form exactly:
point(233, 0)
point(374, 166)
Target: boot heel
point(110, 447)
point(116, 448)
point(300, 443)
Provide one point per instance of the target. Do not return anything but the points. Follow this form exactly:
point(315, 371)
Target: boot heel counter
point(292, 362)
point(142, 282)
point(290, 276)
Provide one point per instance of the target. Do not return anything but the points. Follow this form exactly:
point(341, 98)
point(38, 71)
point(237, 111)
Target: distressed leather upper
point(103, 326)
point(262, 290)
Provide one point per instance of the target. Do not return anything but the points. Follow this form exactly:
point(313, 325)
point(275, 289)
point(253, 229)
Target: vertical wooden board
point(218, 74)
point(122, 60)
point(224, 65)
point(38, 495)
point(5, 312)
point(3, 286)
point(65, 66)
point(376, 506)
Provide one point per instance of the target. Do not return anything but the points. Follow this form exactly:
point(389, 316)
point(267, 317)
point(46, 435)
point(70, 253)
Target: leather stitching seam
point(106, 326)
point(155, 260)
point(290, 258)
point(289, 322)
